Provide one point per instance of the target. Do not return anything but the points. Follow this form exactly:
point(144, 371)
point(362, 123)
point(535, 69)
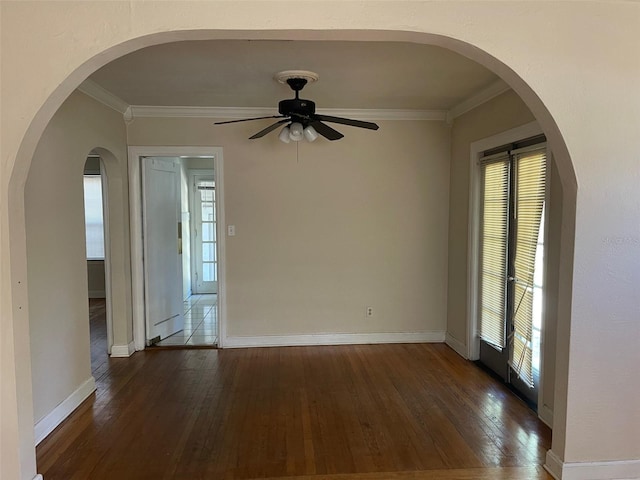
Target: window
point(93, 220)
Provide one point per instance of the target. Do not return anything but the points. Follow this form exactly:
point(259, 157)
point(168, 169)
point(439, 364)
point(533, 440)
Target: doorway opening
point(180, 274)
point(96, 237)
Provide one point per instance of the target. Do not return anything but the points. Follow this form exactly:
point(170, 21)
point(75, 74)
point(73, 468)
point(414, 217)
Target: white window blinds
point(493, 255)
point(529, 202)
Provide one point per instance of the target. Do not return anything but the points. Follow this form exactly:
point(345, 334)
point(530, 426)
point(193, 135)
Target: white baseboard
point(546, 415)
point(619, 469)
point(38, 477)
point(48, 423)
point(97, 294)
point(333, 339)
point(122, 351)
point(457, 345)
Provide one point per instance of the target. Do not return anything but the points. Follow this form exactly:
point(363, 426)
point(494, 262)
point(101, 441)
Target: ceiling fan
point(299, 115)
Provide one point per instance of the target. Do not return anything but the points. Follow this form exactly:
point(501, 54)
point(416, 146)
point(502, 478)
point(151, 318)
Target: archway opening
point(519, 85)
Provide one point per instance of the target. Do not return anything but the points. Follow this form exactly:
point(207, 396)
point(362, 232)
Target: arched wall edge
point(20, 168)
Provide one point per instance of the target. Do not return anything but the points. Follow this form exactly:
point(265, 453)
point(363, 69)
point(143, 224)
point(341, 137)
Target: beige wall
point(95, 279)
point(588, 122)
point(348, 224)
point(57, 266)
point(502, 113)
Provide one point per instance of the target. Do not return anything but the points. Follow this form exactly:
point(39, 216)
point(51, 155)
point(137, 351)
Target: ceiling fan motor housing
point(297, 106)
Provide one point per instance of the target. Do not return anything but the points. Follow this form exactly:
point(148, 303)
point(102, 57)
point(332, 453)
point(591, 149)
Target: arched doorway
point(464, 48)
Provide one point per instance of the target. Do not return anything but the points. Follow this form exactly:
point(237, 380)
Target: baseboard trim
point(38, 477)
point(123, 351)
point(618, 469)
point(333, 339)
point(50, 421)
point(546, 415)
point(459, 347)
point(97, 294)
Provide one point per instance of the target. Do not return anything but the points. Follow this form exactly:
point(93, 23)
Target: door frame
point(107, 255)
point(473, 254)
point(136, 231)
point(192, 174)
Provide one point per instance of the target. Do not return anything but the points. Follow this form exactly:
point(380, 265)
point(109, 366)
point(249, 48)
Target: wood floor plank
point(364, 412)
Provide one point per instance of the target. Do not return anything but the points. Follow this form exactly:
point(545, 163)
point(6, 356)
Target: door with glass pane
point(511, 264)
point(205, 271)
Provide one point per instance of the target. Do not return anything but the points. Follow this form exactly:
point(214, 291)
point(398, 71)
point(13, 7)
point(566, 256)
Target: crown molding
point(496, 88)
point(234, 113)
point(95, 91)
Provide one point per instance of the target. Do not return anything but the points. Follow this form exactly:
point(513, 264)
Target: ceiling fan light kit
point(300, 115)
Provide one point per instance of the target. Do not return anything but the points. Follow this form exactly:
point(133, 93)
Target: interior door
point(205, 271)
point(162, 263)
point(512, 249)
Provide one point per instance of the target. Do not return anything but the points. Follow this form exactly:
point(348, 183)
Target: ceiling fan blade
point(347, 121)
point(326, 131)
point(270, 128)
point(248, 119)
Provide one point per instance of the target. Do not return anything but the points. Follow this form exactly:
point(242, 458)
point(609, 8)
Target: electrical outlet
point(369, 311)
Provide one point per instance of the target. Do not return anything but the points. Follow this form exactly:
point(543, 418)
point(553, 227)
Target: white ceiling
point(235, 73)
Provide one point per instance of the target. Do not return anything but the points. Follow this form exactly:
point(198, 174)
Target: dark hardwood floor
point(98, 335)
point(322, 413)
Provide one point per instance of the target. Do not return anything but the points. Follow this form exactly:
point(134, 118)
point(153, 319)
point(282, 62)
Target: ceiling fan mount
point(300, 114)
point(297, 107)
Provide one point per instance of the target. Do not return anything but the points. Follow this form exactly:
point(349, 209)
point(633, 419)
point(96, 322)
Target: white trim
point(135, 214)
point(459, 347)
point(221, 245)
point(513, 135)
point(618, 469)
point(49, 422)
point(95, 91)
point(496, 88)
point(333, 339)
point(135, 232)
point(123, 351)
point(545, 414)
point(38, 477)
point(107, 254)
point(248, 112)
point(553, 465)
point(100, 94)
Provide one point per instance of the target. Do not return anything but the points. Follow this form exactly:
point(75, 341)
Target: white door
point(162, 264)
point(205, 267)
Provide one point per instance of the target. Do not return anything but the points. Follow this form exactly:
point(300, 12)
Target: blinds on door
point(493, 255)
point(530, 165)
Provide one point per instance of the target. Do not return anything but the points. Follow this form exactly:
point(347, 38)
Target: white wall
point(348, 224)
point(57, 266)
point(577, 68)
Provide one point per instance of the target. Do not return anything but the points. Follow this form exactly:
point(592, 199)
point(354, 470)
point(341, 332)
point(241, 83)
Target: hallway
point(200, 323)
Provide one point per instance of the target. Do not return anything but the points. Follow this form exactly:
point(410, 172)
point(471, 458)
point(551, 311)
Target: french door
point(205, 258)
point(513, 180)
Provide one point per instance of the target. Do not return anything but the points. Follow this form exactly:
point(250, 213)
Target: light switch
point(231, 230)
